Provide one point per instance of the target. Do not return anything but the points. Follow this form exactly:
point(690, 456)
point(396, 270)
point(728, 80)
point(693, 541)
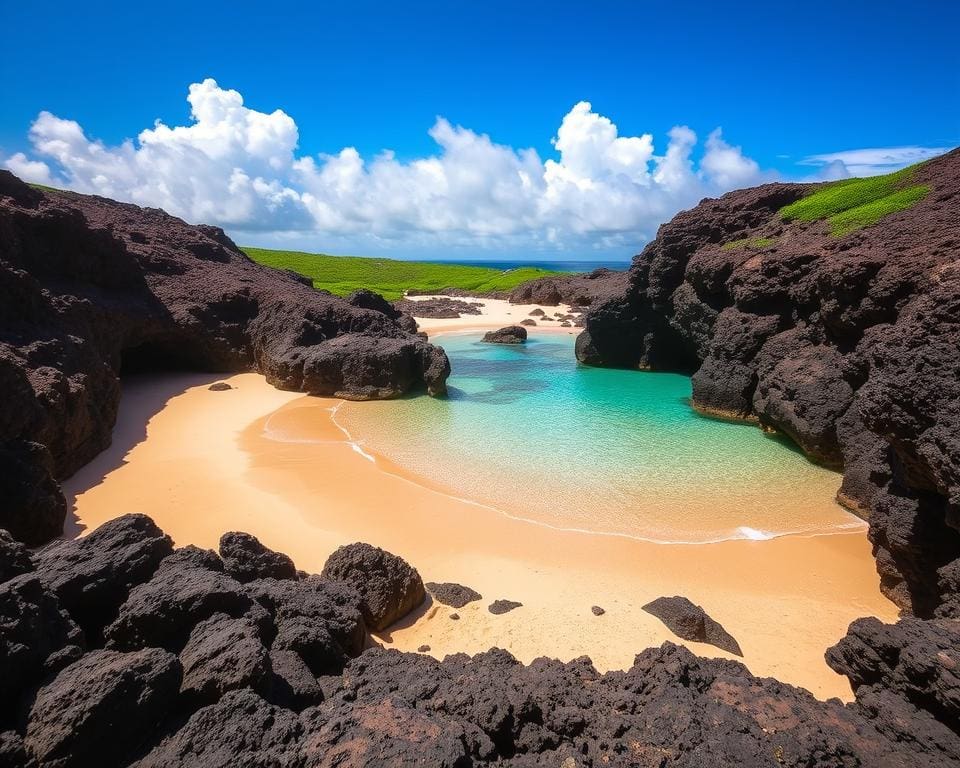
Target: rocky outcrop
point(577, 290)
point(90, 288)
point(511, 334)
point(848, 345)
point(101, 708)
point(389, 587)
point(14, 557)
point(691, 622)
point(438, 307)
point(288, 683)
point(246, 559)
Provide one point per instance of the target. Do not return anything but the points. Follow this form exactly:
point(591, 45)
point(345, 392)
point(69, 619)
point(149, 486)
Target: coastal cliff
point(91, 288)
point(837, 326)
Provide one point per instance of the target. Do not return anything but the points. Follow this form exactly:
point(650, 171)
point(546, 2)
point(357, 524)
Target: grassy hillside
point(343, 274)
point(852, 204)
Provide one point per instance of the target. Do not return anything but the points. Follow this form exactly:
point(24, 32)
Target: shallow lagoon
point(532, 433)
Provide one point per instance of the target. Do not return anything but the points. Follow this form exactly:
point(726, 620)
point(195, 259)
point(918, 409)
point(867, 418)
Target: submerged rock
point(452, 594)
point(511, 334)
point(389, 586)
point(691, 622)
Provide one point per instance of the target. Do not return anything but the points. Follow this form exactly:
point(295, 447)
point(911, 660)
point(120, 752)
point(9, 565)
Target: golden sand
point(200, 463)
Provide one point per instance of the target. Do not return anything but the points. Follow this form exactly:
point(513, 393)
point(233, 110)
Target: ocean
point(553, 266)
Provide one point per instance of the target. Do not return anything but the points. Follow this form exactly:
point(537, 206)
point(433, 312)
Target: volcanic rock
point(511, 334)
point(691, 622)
point(14, 557)
point(90, 287)
point(537, 313)
point(37, 637)
point(596, 610)
point(439, 307)
point(454, 595)
point(239, 730)
point(246, 559)
point(101, 707)
point(93, 575)
point(220, 386)
point(498, 607)
point(224, 654)
point(528, 322)
point(389, 587)
point(319, 619)
point(293, 685)
point(816, 336)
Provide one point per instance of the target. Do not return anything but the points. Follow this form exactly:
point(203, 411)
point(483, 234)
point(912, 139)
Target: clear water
point(532, 433)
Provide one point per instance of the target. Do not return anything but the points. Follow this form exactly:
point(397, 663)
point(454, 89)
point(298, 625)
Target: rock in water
point(511, 334)
point(498, 607)
point(139, 289)
point(389, 586)
point(691, 622)
point(246, 559)
point(101, 708)
point(454, 595)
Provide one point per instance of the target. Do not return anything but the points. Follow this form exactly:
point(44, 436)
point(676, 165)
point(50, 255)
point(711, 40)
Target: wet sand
point(201, 463)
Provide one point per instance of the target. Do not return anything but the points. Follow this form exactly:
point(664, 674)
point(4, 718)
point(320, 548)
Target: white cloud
point(239, 168)
point(869, 162)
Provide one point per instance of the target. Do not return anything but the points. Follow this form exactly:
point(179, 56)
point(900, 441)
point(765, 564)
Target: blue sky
point(784, 81)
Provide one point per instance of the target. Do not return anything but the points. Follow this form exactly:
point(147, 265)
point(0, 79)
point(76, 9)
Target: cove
point(530, 432)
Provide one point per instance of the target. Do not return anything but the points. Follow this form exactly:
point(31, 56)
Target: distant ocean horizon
point(554, 266)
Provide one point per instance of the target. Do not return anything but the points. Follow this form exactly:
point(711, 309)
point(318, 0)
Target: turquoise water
point(528, 431)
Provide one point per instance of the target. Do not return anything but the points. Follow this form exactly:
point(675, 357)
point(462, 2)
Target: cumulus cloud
point(239, 168)
point(868, 162)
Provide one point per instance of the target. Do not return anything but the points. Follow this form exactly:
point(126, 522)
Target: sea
point(553, 266)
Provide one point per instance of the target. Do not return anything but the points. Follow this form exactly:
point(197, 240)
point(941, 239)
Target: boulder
point(37, 637)
point(101, 708)
point(14, 557)
point(318, 619)
point(163, 612)
point(691, 622)
point(538, 313)
point(224, 654)
point(452, 594)
point(239, 730)
point(389, 587)
point(292, 685)
point(220, 386)
point(246, 559)
point(528, 321)
point(511, 334)
point(93, 575)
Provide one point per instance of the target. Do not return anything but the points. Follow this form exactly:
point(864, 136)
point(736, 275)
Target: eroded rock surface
point(389, 586)
point(246, 559)
point(511, 334)
point(90, 287)
point(691, 622)
point(452, 594)
point(849, 345)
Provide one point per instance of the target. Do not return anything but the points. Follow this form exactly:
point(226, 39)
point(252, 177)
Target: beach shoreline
point(202, 462)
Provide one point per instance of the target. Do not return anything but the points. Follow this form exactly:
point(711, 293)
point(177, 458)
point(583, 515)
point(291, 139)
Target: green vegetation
point(748, 242)
point(852, 204)
point(391, 278)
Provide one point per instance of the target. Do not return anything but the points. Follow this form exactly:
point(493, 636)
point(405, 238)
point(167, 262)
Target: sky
point(452, 129)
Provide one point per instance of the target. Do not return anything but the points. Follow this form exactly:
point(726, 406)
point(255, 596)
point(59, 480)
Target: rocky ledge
point(91, 288)
point(850, 345)
point(119, 650)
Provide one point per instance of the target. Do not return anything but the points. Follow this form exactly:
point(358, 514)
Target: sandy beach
point(202, 462)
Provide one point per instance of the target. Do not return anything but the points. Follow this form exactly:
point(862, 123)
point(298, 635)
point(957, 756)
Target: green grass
point(391, 278)
point(748, 242)
point(852, 204)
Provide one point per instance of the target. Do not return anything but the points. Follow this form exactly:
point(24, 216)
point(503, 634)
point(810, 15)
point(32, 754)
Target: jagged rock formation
point(90, 287)
point(274, 672)
point(438, 307)
point(579, 290)
point(849, 345)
